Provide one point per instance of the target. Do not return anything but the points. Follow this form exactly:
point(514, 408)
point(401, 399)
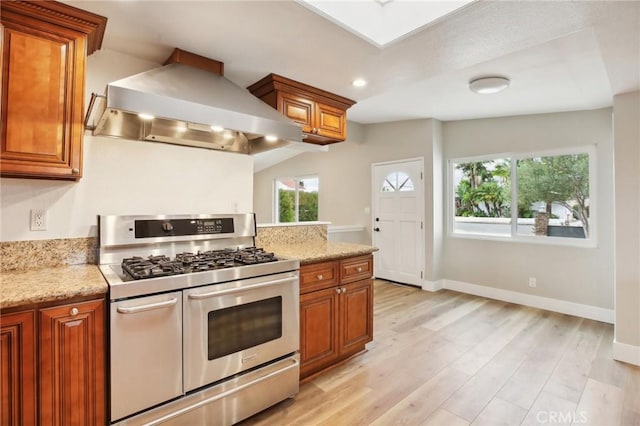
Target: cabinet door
point(318, 330)
point(298, 109)
point(42, 101)
point(72, 345)
point(330, 122)
point(18, 369)
point(356, 316)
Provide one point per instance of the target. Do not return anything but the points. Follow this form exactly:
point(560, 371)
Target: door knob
point(376, 229)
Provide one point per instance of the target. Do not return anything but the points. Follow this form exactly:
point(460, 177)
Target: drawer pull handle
point(74, 311)
point(359, 268)
point(320, 276)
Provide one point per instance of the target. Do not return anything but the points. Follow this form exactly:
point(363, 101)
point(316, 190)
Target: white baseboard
point(432, 285)
point(555, 305)
point(626, 353)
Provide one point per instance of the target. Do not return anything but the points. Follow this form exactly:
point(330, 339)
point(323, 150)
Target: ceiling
point(559, 55)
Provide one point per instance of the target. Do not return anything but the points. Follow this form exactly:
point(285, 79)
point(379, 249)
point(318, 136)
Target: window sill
point(551, 241)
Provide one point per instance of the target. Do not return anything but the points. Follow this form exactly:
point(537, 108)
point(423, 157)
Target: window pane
point(390, 183)
point(404, 182)
point(308, 199)
point(482, 197)
point(285, 202)
point(553, 196)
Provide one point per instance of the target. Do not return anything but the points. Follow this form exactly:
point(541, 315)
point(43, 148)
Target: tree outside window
point(296, 199)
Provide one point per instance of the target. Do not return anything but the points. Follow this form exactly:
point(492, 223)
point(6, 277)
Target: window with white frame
point(536, 196)
point(296, 199)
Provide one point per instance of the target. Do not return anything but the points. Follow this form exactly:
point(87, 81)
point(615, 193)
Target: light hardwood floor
point(448, 358)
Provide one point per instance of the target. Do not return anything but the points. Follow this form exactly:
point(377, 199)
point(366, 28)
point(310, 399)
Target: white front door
point(398, 216)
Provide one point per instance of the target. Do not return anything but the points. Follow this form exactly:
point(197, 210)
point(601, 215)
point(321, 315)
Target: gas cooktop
point(184, 263)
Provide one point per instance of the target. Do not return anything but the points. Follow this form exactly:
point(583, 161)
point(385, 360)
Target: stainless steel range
point(204, 326)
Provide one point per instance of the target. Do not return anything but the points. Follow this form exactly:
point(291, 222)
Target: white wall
point(626, 113)
point(345, 170)
point(579, 275)
point(126, 177)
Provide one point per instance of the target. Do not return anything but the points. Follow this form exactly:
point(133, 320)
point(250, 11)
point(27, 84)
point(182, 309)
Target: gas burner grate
point(184, 263)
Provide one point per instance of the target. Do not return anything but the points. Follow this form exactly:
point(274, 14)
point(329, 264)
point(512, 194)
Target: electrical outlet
point(532, 282)
point(38, 220)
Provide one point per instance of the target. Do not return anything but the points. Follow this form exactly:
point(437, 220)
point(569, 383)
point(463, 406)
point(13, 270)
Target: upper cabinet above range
point(44, 50)
point(323, 115)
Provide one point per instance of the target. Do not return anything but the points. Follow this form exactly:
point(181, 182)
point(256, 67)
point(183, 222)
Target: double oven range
point(204, 326)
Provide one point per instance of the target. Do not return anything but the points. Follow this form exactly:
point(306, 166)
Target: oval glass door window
point(397, 181)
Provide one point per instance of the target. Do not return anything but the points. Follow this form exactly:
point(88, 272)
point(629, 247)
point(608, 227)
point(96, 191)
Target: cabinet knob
point(319, 276)
point(75, 171)
point(338, 290)
point(74, 312)
point(359, 268)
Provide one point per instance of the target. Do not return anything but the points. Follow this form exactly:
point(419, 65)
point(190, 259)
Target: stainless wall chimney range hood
point(188, 101)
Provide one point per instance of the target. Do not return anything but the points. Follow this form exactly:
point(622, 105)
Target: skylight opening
point(381, 22)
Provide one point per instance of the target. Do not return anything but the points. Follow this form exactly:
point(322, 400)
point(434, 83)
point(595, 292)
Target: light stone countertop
point(319, 251)
point(19, 288)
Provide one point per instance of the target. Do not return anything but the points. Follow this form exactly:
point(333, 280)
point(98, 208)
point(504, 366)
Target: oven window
point(244, 326)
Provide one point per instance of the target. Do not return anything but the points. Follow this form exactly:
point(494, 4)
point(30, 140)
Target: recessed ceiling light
point(271, 138)
point(359, 82)
point(146, 116)
point(488, 85)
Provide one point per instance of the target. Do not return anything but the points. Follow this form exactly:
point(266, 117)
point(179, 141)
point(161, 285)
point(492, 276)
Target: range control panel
point(181, 227)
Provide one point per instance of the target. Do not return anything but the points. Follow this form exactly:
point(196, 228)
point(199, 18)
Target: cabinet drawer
point(317, 276)
point(356, 268)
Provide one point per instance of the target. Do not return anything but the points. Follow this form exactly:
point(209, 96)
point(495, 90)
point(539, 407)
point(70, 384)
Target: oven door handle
point(150, 306)
point(197, 296)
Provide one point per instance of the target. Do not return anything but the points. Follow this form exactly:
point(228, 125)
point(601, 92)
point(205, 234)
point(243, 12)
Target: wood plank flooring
point(448, 358)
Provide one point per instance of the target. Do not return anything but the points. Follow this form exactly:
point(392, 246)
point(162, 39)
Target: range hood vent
point(189, 102)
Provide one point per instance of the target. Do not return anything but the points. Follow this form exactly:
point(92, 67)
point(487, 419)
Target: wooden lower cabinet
point(72, 365)
point(335, 321)
point(319, 333)
point(18, 369)
point(53, 365)
point(356, 316)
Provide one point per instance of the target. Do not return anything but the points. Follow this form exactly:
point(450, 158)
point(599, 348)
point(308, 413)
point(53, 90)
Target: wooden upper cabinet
point(323, 115)
point(44, 50)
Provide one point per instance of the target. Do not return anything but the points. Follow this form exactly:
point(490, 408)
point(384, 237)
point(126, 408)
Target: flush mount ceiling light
point(488, 85)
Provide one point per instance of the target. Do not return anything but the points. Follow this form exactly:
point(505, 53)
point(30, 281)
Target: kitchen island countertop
point(319, 251)
point(20, 287)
